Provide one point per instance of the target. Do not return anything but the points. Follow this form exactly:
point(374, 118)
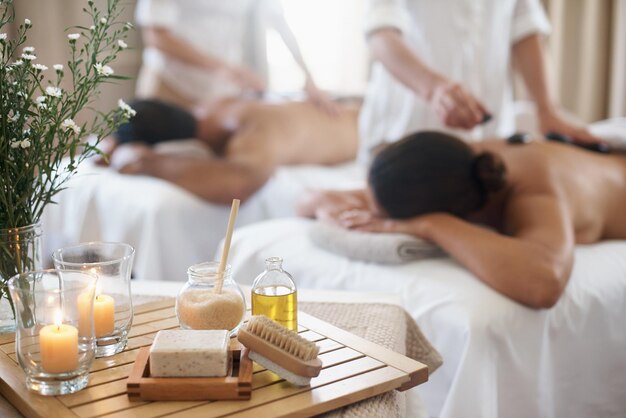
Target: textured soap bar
point(189, 353)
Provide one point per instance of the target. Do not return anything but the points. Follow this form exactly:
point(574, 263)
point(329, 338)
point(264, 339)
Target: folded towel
point(613, 131)
point(373, 247)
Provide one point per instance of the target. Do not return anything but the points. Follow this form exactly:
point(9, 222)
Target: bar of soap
point(189, 353)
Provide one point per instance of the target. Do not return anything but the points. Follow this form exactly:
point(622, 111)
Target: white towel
point(613, 131)
point(373, 247)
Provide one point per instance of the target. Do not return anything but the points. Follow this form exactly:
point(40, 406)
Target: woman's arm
point(330, 205)
point(314, 94)
point(531, 267)
point(528, 56)
point(455, 105)
point(173, 46)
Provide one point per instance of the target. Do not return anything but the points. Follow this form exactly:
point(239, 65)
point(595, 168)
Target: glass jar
point(274, 294)
point(200, 306)
point(113, 305)
point(55, 341)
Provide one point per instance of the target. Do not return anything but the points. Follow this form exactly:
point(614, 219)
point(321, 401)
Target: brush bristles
point(283, 338)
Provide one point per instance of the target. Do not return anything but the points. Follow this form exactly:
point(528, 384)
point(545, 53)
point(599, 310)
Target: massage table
point(170, 228)
point(501, 359)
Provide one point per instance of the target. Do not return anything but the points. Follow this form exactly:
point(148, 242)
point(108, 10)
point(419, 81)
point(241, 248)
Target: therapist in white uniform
point(200, 50)
point(445, 64)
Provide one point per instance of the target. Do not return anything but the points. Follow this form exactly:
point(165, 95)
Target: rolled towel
point(379, 248)
point(613, 131)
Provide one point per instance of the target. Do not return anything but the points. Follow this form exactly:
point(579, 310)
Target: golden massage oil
point(274, 295)
point(278, 303)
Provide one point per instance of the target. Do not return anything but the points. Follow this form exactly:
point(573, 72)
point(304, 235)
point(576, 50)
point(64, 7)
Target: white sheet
point(170, 228)
point(501, 359)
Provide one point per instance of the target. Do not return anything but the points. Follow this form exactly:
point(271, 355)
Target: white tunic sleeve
point(387, 14)
point(163, 13)
point(529, 18)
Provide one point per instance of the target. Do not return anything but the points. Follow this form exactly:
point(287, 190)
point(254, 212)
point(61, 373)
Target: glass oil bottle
point(274, 295)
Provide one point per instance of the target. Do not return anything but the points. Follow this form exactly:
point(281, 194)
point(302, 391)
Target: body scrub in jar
point(274, 295)
point(200, 305)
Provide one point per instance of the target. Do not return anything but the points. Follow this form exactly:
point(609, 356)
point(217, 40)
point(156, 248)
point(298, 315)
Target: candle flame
point(58, 318)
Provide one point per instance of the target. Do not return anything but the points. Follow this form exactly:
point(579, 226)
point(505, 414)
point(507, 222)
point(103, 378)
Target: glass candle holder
point(113, 306)
point(199, 306)
point(55, 340)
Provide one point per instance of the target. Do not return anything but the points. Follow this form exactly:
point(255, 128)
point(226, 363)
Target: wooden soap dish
point(237, 385)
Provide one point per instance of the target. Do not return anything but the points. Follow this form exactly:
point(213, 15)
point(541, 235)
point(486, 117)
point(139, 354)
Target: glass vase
point(55, 340)
point(113, 306)
point(20, 252)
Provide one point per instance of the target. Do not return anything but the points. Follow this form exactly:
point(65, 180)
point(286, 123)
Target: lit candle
point(103, 314)
point(58, 344)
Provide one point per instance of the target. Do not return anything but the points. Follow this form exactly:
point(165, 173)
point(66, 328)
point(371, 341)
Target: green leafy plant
point(41, 142)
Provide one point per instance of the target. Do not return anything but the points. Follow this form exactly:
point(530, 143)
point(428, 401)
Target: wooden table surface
point(151, 290)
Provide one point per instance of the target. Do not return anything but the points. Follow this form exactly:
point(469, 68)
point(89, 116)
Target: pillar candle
point(103, 314)
point(58, 344)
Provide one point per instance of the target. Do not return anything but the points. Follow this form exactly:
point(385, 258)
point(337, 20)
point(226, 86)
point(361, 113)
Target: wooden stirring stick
point(234, 209)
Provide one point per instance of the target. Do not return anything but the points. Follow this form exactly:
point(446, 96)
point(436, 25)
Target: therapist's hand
point(456, 106)
point(245, 78)
point(321, 99)
point(552, 121)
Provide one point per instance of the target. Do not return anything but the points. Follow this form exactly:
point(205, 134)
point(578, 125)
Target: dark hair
point(433, 172)
point(156, 122)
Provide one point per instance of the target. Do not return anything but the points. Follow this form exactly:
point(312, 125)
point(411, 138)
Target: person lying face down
point(538, 201)
point(248, 138)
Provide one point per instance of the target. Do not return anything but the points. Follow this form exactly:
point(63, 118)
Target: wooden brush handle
point(295, 365)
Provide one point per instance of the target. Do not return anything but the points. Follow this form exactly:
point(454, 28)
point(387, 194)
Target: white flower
point(40, 67)
point(69, 124)
point(73, 37)
point(128, 25)
point(103, 70)
point(28, 57)
point(18, 62)
point(92, 28)
point(122, 44)
point(28, 49)
point(26, 132)
point(54, 91)
point(3, 36)
point(41, 102)
point(103, 20)
point(15, 117)
point(58, 67)
point(21, 94)
point(129, 112)
point(15, 143)
point(27, 22)
point(25, 143)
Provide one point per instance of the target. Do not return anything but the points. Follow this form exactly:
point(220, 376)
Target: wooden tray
point(354, 369)
point(236, 386)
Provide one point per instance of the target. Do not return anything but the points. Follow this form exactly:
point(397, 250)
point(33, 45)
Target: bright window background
point(330, 36)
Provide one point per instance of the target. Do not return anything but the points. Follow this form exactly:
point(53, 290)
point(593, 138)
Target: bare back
point(591, 187)
point(293, 133)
